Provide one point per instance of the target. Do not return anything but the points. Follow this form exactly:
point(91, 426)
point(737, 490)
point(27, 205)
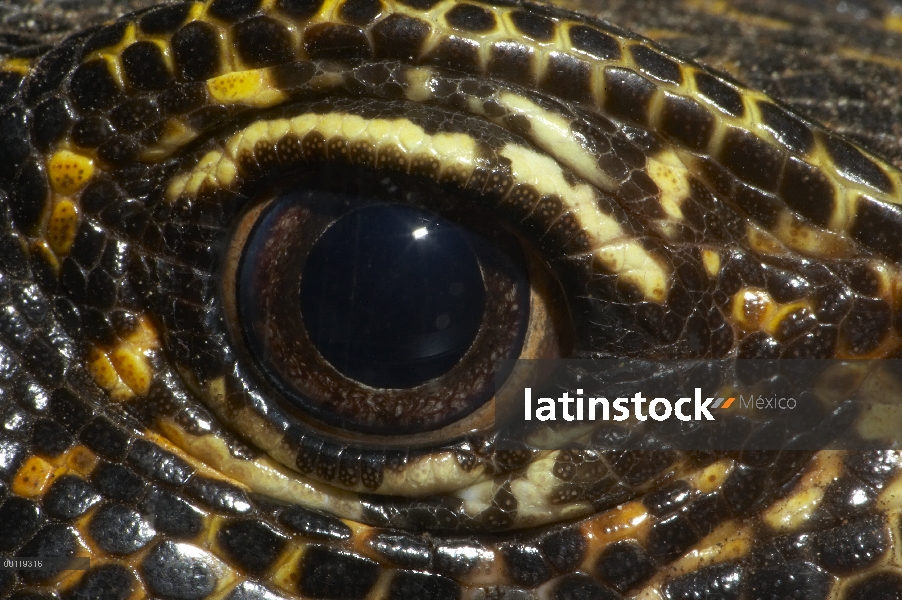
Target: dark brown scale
point(70, 497)
point(119, 529)
point(360, 12)
point(545, 213)
point(313, 525)
point(362, 154)
point(391, 157)
point(866, 325)
point(519, 202)
point(263, 41)
point(265, 155)
point(144, 66)
point(293, 75)
point(627, 94)
point(233, 10)
point(51, 120)
point(407, 584)
point(327, 462)
point(533, 25)
point(820, 343)
point(761, 207)
point(785, 286)
point(169, 570)
point(218, 495)
point(135, 115)
point(832, 303)
point(299, 9)
point(400, 36)
point(808, 191)
point(564, 549)
point(328, 41)
point(52, 540)
point(641, 195)
point(567, 235)
point(118, 482)
point(878, 226)
point(744, 488)
point(856, 166)
point(725, 97)
point(624, 566)
point(513, 61)
point(639, 466)
point(505, 502)
point(172, 515)
point(879, 585)
point(165, 19)
point(524, 564)
point(27, 201)
point(349, 468)
point(788, 129)
point(98, 582)
point(667, 499)
point(13, 141)
point(456, 53)
point(655, 64)
point(752, 159)
point(593, 42)
point(403, 550)
point(251, 544)
point(468, 17)
point(862, 278)
point(327, 573)
point(207, 117)
point(91, 132)
point(92, 87)
point(50, 438)
point(21, 519)
point(722, 581)
point(9, 85)
point(852, 547)
point(568, 77)
point(105, 37)
point(687, 122)
point(495, 181)
point(154, 462)
point(119, 151)
point(195, 48)
point(518, 125)
point(425, 167)
point(708, 512)
point(305, 461)
point(848, 497)
point(577, 585)
point(795, 324)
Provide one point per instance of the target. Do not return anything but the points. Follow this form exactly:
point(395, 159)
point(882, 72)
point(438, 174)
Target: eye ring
point(312, 390)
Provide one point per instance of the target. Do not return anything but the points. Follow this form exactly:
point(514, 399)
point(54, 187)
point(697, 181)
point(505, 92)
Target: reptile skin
point(676, 213)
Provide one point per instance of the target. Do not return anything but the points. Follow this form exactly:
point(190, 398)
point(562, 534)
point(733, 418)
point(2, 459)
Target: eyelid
point(581, 217)
point(263, 421)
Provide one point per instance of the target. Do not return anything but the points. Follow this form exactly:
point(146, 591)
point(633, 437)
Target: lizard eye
point(378, 315)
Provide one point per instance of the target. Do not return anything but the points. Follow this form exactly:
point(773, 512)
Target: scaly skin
point(681, 214)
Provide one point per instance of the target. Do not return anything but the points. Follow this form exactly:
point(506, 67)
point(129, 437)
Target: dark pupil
point(392, 296)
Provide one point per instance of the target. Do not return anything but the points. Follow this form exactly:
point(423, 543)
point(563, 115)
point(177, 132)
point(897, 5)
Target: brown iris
point(380, 317)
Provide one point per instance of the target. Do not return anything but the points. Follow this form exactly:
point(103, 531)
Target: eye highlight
point(378, 316)
point(393, 296)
